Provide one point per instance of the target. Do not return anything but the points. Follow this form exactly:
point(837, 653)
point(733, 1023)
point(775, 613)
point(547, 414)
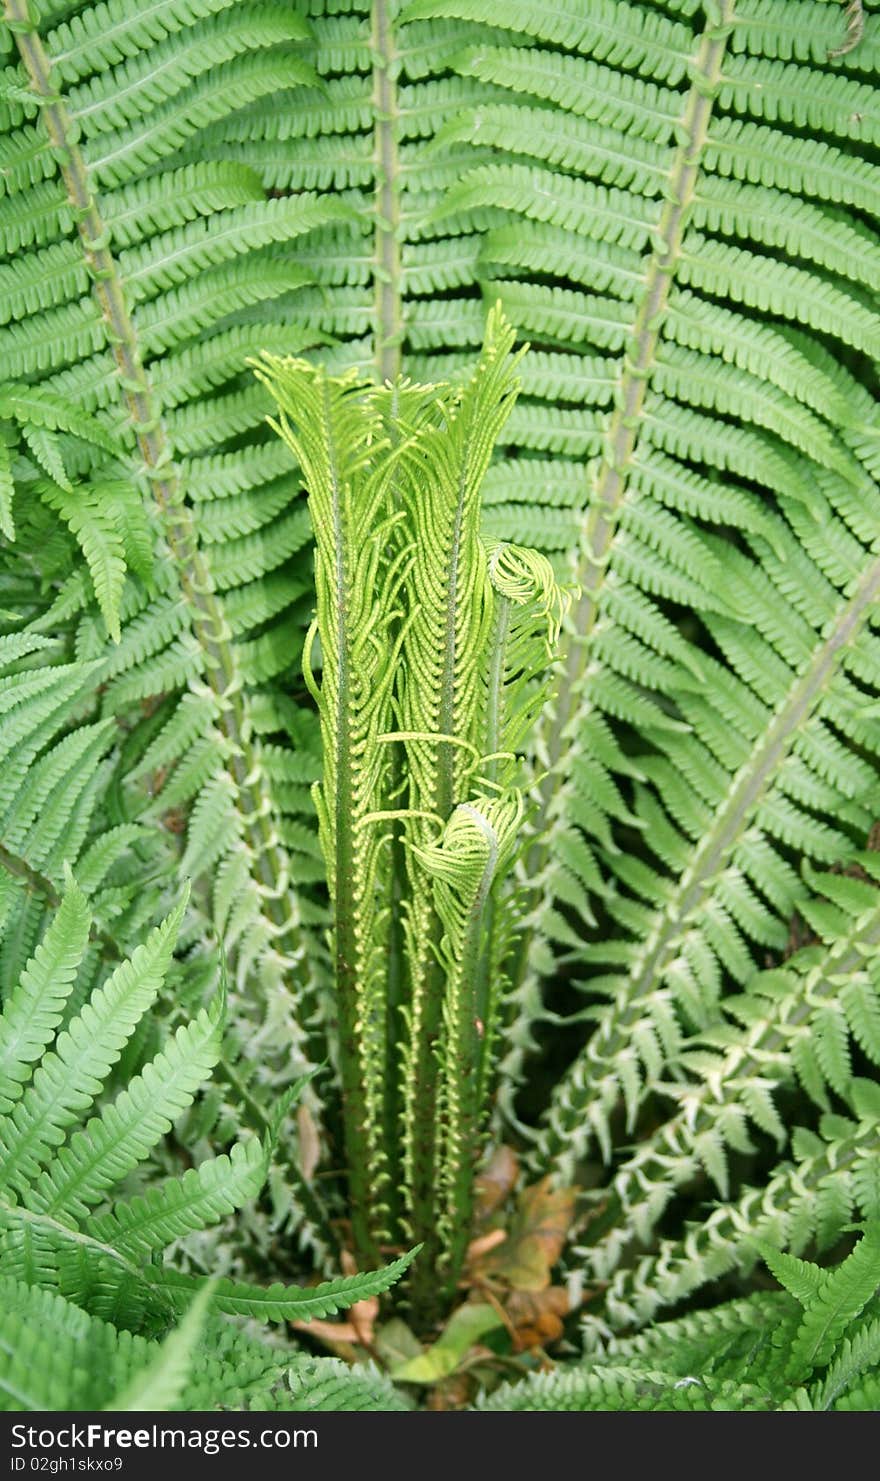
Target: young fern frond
point(473, 851)
point(335, 430)
point(451, 605)
point(434, 644)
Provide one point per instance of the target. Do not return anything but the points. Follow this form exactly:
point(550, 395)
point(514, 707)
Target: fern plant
point(813, 1346)
point(61, 1229)
point(664, 990)
point(55, 1356)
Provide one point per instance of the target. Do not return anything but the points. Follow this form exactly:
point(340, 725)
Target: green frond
point(837, 1301)
point(55, 1357)
point(279, 1303)
point(857, 1359)
point(201, 1196)
point(612, 1389)
point(162, 1383)
point(813, 1197)
point(33, 1010)
point(97, 533)
point(625, 35)
point(113, 1143)
point(102, 35)
point(70, 1076)
point(733, 1356)
point(154, 332)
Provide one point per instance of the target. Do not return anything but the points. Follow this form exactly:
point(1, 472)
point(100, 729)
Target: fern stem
point(395, 999)
point(270, 867)
point(387, 266)
point(388, 336)
point(487, 995)
point(638, 359)
point(354, 1070)
point(562, 719)
point(428, 974)
point(396, 975)
point(461, 1099)
point(611, 478)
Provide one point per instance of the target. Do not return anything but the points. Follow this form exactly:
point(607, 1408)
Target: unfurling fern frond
point(471, 855)
point(433, 646)
point(335, 430)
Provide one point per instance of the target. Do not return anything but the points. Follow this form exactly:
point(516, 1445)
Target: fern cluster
point(627, 919)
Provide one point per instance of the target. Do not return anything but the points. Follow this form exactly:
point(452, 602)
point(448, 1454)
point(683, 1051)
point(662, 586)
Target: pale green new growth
point(432, 645)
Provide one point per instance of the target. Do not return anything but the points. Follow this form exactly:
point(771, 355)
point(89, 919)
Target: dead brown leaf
point(535, 1239)
point(340, 1337)
point(537, 1316)
point(486, 1242)
point(547, 1214)
point(358, 1328)
point(496, 1182)
point(309, 1142)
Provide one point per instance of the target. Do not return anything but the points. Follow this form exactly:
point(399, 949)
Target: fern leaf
point(35, 1008)
point(70, 1076)
point(200, 1197)
point(839, 1299)
point(286, 1303)
point(114, 1142)
point(162, 1383)
point(101, 544)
